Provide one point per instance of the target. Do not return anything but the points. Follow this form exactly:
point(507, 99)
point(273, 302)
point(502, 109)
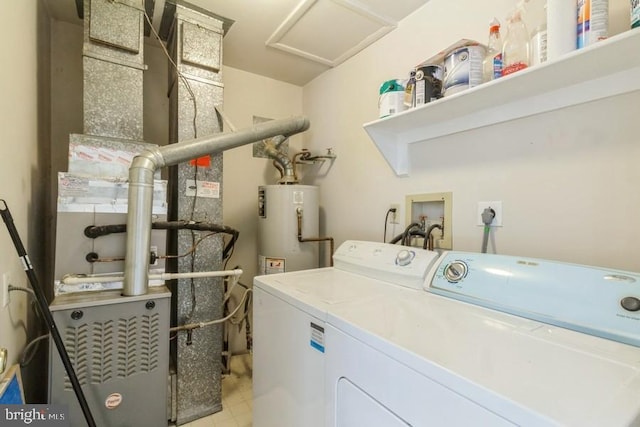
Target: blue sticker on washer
point(317, 337)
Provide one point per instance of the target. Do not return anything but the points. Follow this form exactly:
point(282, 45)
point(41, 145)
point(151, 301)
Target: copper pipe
point(304, 155)
point(314, 239)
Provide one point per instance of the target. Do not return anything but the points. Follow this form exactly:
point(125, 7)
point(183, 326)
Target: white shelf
point(608, 68)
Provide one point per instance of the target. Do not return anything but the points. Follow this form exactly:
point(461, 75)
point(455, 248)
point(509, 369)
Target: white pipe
point(191, 326)
point(79, 280)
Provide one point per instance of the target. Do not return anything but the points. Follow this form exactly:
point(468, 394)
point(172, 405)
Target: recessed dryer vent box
point(429, 209)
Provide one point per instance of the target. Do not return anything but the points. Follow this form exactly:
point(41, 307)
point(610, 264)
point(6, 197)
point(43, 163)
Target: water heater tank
point(278, 247)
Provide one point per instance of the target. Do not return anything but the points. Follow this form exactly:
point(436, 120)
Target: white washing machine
point(289, 317)
point(452, 355)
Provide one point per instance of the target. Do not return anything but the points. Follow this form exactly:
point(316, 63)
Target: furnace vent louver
point(127, 347)
point(101, 366)
point(133, 346)
point(149, 343)
point(76, 345)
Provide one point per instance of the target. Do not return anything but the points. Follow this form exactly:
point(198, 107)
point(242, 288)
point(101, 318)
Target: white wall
point(247, 95)
point(19, 169)
point(567, 179)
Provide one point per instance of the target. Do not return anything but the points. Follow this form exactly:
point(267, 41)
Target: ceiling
point(288, 40)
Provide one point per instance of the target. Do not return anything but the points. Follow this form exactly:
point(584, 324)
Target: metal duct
point(141, 187)
point(288, 171)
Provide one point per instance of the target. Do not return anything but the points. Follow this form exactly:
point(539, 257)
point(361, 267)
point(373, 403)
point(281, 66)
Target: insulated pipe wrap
point(143, 167)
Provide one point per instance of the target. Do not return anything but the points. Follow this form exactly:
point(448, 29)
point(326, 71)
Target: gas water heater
point(286, 213)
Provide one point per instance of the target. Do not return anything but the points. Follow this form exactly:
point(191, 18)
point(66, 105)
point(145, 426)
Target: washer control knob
point(455, 271)
point(404, 257)
point(630, 303)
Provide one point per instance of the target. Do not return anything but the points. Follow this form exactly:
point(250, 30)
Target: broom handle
point(44, 309)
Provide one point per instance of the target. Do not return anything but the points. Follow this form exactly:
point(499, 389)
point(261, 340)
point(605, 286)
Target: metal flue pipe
point(272, 149)
point(143, 167)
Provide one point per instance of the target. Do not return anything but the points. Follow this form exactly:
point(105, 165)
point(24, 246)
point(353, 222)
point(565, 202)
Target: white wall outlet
point(6, 280)
point(496, 206)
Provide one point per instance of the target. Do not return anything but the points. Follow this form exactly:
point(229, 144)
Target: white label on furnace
point(317, 337)
point(298, 197)
point(206, 189)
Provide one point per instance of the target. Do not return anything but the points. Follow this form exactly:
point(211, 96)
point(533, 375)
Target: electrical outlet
point(6, 280)
point(496, 206)
point(394, 214)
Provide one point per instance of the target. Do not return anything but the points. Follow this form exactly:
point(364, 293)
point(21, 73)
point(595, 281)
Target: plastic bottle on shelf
point(593, 21)
point(515, 50)
point(536, 20)
point(492, 64)
point(561, 28)
point(410, 91)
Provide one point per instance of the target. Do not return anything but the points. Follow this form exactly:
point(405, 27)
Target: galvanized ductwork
point(141, 174)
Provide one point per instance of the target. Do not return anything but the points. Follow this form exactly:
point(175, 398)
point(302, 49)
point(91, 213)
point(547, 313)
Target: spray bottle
point(492, 64)
point(515, 50)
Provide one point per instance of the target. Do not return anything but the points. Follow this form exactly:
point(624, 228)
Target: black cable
point(44, 309)
point(192, 286)
point(226, 255)
point(406, 234)
point(386, 220)
point(247, 325)
point(95, 231)
point(402, 236)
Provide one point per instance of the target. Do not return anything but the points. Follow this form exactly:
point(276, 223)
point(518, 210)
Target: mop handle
point(44, 309)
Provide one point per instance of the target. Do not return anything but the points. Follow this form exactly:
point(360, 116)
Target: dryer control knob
point(630, 303)
point(455, 271)
point(405, 257)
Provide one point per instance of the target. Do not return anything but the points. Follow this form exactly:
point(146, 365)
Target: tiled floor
point(236, 398)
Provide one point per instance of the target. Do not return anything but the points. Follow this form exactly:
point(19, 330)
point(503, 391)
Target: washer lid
point(522, 369)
